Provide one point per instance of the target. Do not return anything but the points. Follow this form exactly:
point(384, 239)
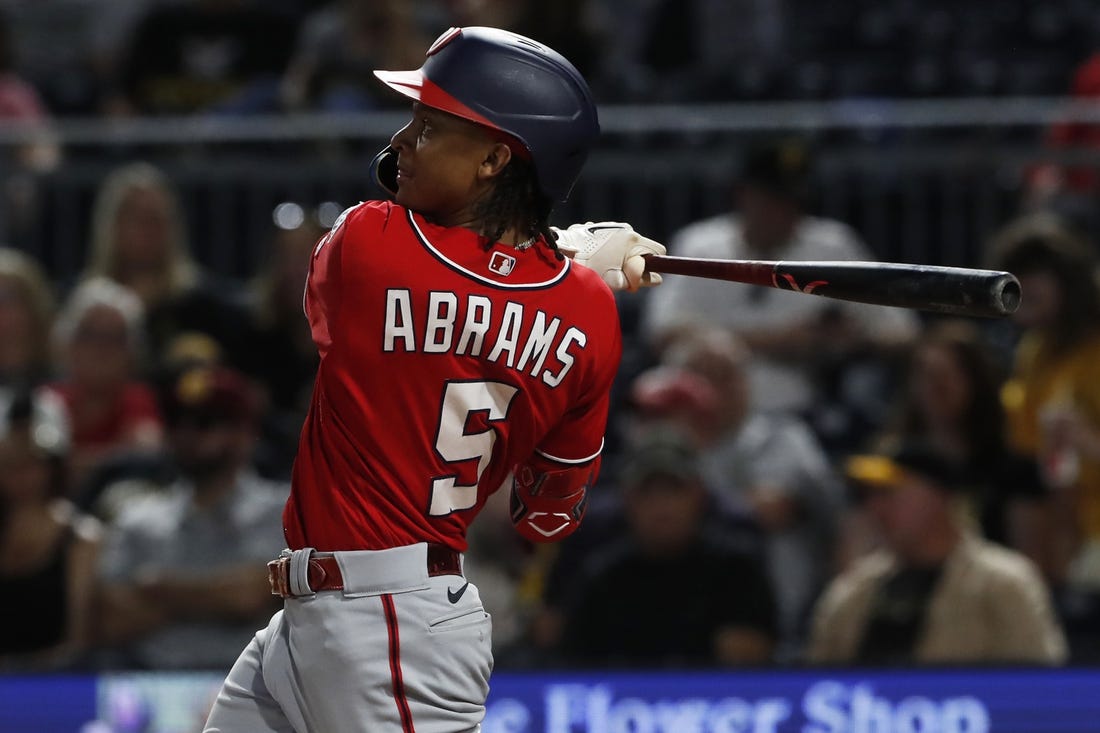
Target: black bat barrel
point(954, 290)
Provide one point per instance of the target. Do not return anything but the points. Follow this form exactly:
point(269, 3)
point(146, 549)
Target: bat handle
point(748, 271)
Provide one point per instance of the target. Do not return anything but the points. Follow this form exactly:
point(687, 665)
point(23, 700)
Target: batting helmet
point(513, 84)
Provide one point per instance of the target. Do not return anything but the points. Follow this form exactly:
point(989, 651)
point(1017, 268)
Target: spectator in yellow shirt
point(1052, 400)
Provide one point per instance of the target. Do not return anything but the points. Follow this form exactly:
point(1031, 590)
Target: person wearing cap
point(464, 346)
point(714, 605)
point(182, 570)
point(935, 592)
point(766, 465)
point(792, 336)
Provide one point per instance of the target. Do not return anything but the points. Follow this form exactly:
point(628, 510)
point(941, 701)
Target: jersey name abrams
point(448, 328)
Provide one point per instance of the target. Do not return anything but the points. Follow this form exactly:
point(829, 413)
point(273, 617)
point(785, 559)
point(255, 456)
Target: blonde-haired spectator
point(140, 240)
point(98, 337)
point(26, 317)
point(139, 236)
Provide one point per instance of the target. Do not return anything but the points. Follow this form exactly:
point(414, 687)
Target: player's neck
point(518, 239)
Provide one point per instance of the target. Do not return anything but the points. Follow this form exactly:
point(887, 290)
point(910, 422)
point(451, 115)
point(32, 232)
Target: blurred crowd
point(127, 57)
point(787, 479)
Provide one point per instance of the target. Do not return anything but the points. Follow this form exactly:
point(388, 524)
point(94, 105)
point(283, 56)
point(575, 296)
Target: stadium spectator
point(139, 239)
point(282, 358)
point(794, 339)
point(49, 550)
point(26, 319)
point(68, 48)
point(935, 593)
point(20, 103)
point(33, 153)
point(1058, 185)
point(1053, 396)
point(1053, 404)
point(689, 50)
point(99, 338)
point(952, 401)
point(669, 592)
point(185, 582)
point(768, 466)
point(341, 44)
point(139, 235)
point(216, 56)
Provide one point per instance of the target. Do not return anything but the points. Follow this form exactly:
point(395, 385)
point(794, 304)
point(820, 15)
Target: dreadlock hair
point(516, 201)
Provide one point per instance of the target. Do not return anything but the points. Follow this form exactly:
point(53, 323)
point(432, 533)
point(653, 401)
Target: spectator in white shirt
point(766, 465)
point(790, 334)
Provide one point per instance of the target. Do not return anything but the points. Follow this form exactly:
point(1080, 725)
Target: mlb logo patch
point(502, 264)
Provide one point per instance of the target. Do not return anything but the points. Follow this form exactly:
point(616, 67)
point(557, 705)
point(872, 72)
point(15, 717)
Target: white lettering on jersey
point(508, 336)
point(539, 341)
point(439, 332)
point(399, 320)
point(479, 309)
point(573, 335)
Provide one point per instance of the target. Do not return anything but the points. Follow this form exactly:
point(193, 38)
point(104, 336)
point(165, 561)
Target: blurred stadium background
point(930, 126)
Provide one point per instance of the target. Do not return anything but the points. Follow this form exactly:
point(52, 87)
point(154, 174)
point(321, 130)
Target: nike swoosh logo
point(455, 595)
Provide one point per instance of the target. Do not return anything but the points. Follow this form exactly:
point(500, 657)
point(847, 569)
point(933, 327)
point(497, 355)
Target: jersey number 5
point(455, 445)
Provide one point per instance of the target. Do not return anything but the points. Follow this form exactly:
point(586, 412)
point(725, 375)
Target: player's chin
point(414, 200)
point(406, 196)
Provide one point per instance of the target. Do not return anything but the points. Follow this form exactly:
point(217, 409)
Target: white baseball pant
point(396, 651)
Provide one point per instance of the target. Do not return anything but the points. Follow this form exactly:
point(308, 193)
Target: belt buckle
point(278, 575)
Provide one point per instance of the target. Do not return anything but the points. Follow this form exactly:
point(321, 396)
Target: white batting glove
point(612, 249)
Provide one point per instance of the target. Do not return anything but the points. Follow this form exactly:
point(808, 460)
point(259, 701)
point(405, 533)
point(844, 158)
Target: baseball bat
point(955, 290)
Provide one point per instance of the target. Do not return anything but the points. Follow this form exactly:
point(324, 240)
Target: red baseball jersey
point(443, 366)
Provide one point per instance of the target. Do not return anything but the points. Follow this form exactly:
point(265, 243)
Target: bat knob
point(1006, 294)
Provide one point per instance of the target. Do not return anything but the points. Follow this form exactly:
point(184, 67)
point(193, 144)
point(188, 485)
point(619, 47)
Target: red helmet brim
point(414, 85)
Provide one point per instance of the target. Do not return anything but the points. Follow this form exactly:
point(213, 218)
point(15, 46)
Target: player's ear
point(498, 156)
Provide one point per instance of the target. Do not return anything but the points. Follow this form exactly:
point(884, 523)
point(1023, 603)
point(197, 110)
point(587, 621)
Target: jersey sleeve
point(324, 287)
point(578, 438)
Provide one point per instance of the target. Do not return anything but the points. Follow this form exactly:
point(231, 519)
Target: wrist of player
point(548, 502)
point(612, 249)
point(542, 519)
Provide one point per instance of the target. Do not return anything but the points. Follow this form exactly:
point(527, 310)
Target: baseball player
point(460, 352)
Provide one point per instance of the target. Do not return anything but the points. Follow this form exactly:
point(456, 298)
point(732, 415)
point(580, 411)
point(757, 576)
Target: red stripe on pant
point(395, 665)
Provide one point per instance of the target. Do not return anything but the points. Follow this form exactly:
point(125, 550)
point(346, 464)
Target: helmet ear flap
point(383, 170)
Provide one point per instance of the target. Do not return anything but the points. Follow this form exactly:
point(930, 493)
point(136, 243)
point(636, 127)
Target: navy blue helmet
point(512, 84)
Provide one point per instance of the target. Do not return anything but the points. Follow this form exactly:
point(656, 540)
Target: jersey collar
point(527, 263)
